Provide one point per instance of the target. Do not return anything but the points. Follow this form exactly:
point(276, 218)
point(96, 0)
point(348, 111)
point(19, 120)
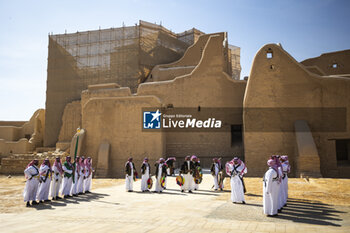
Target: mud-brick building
point(102, 81)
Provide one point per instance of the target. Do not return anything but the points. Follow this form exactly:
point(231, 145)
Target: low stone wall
point(16, 164)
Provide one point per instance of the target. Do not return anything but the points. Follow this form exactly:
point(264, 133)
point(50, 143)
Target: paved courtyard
point(111, 209)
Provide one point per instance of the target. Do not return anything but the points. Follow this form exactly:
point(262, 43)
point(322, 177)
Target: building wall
point(121, 55)
point(118, 121)
point(331, 63)
point(276, 84)
point(25, 138)
point(71, 120)
point(208, 86)
point(12, 123)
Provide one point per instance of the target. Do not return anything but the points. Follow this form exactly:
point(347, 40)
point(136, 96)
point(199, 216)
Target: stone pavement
point(113, 209)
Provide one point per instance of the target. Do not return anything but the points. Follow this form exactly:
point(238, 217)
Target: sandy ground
point(109, 208)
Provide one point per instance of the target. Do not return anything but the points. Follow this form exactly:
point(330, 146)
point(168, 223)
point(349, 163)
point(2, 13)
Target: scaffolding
point(124, 55)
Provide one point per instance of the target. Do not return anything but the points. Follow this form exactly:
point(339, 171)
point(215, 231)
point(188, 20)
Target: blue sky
point(306, 28)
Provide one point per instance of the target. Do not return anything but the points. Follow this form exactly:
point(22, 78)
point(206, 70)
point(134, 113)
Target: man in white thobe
point(187, 169)
point(215, 169)
point(67, 177)
point(57, 173)
point(31, 174)
point(80, 184)
point(88, 174)
point(76, 176)
point(284, 184)
point(236, 169)
point(44, 181)
point(160, 175)
point(196, 174)
point(145, 171)
point(129, 175)
point(271, 185)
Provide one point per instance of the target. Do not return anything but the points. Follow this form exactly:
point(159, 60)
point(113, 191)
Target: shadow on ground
point(87, 197)
point(297, 210)
point(304, 211)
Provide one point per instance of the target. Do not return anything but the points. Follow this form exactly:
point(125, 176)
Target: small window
point(269, 55)
point(199, 108)
point(170, 106)
point(334, 65)
point(272, 67)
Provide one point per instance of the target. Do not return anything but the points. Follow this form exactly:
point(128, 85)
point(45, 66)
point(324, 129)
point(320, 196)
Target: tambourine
point(180, 180)
point(162, 182)
point(149, 183)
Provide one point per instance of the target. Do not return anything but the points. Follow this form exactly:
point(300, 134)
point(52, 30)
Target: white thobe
point(80, 184)
point(281, 191)
point(129, 180)
point(67, 182)
point(56, 181)
point(31, 187)
point(75, 182)
point(44, 186)
point(144, 179)
point(285, 169)
point(237, 191)
point(195, 186)
point(87, 181)
point(188, 185)
point(158, 185)
point(271, 187)
point(216, 176)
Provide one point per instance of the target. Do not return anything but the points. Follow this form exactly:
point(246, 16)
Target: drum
point(198, 175)
point(180, 180)
point(162, 182)
point(149, 183)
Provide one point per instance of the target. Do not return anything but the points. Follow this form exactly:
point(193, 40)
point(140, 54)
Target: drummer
point(196, 174)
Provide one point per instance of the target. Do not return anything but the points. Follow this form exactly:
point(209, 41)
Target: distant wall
point(331, 63)
point(24, 138)
point(12, 123)
point(14, 147)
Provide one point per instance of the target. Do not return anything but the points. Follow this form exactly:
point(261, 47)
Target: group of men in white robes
point(146, 179)
point(275, 185)
point(163, 168)
point(47, 180)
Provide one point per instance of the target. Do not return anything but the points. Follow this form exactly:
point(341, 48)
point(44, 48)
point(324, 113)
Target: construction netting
point(123, 55)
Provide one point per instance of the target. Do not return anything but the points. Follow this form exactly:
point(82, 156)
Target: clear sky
point(306, 28)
